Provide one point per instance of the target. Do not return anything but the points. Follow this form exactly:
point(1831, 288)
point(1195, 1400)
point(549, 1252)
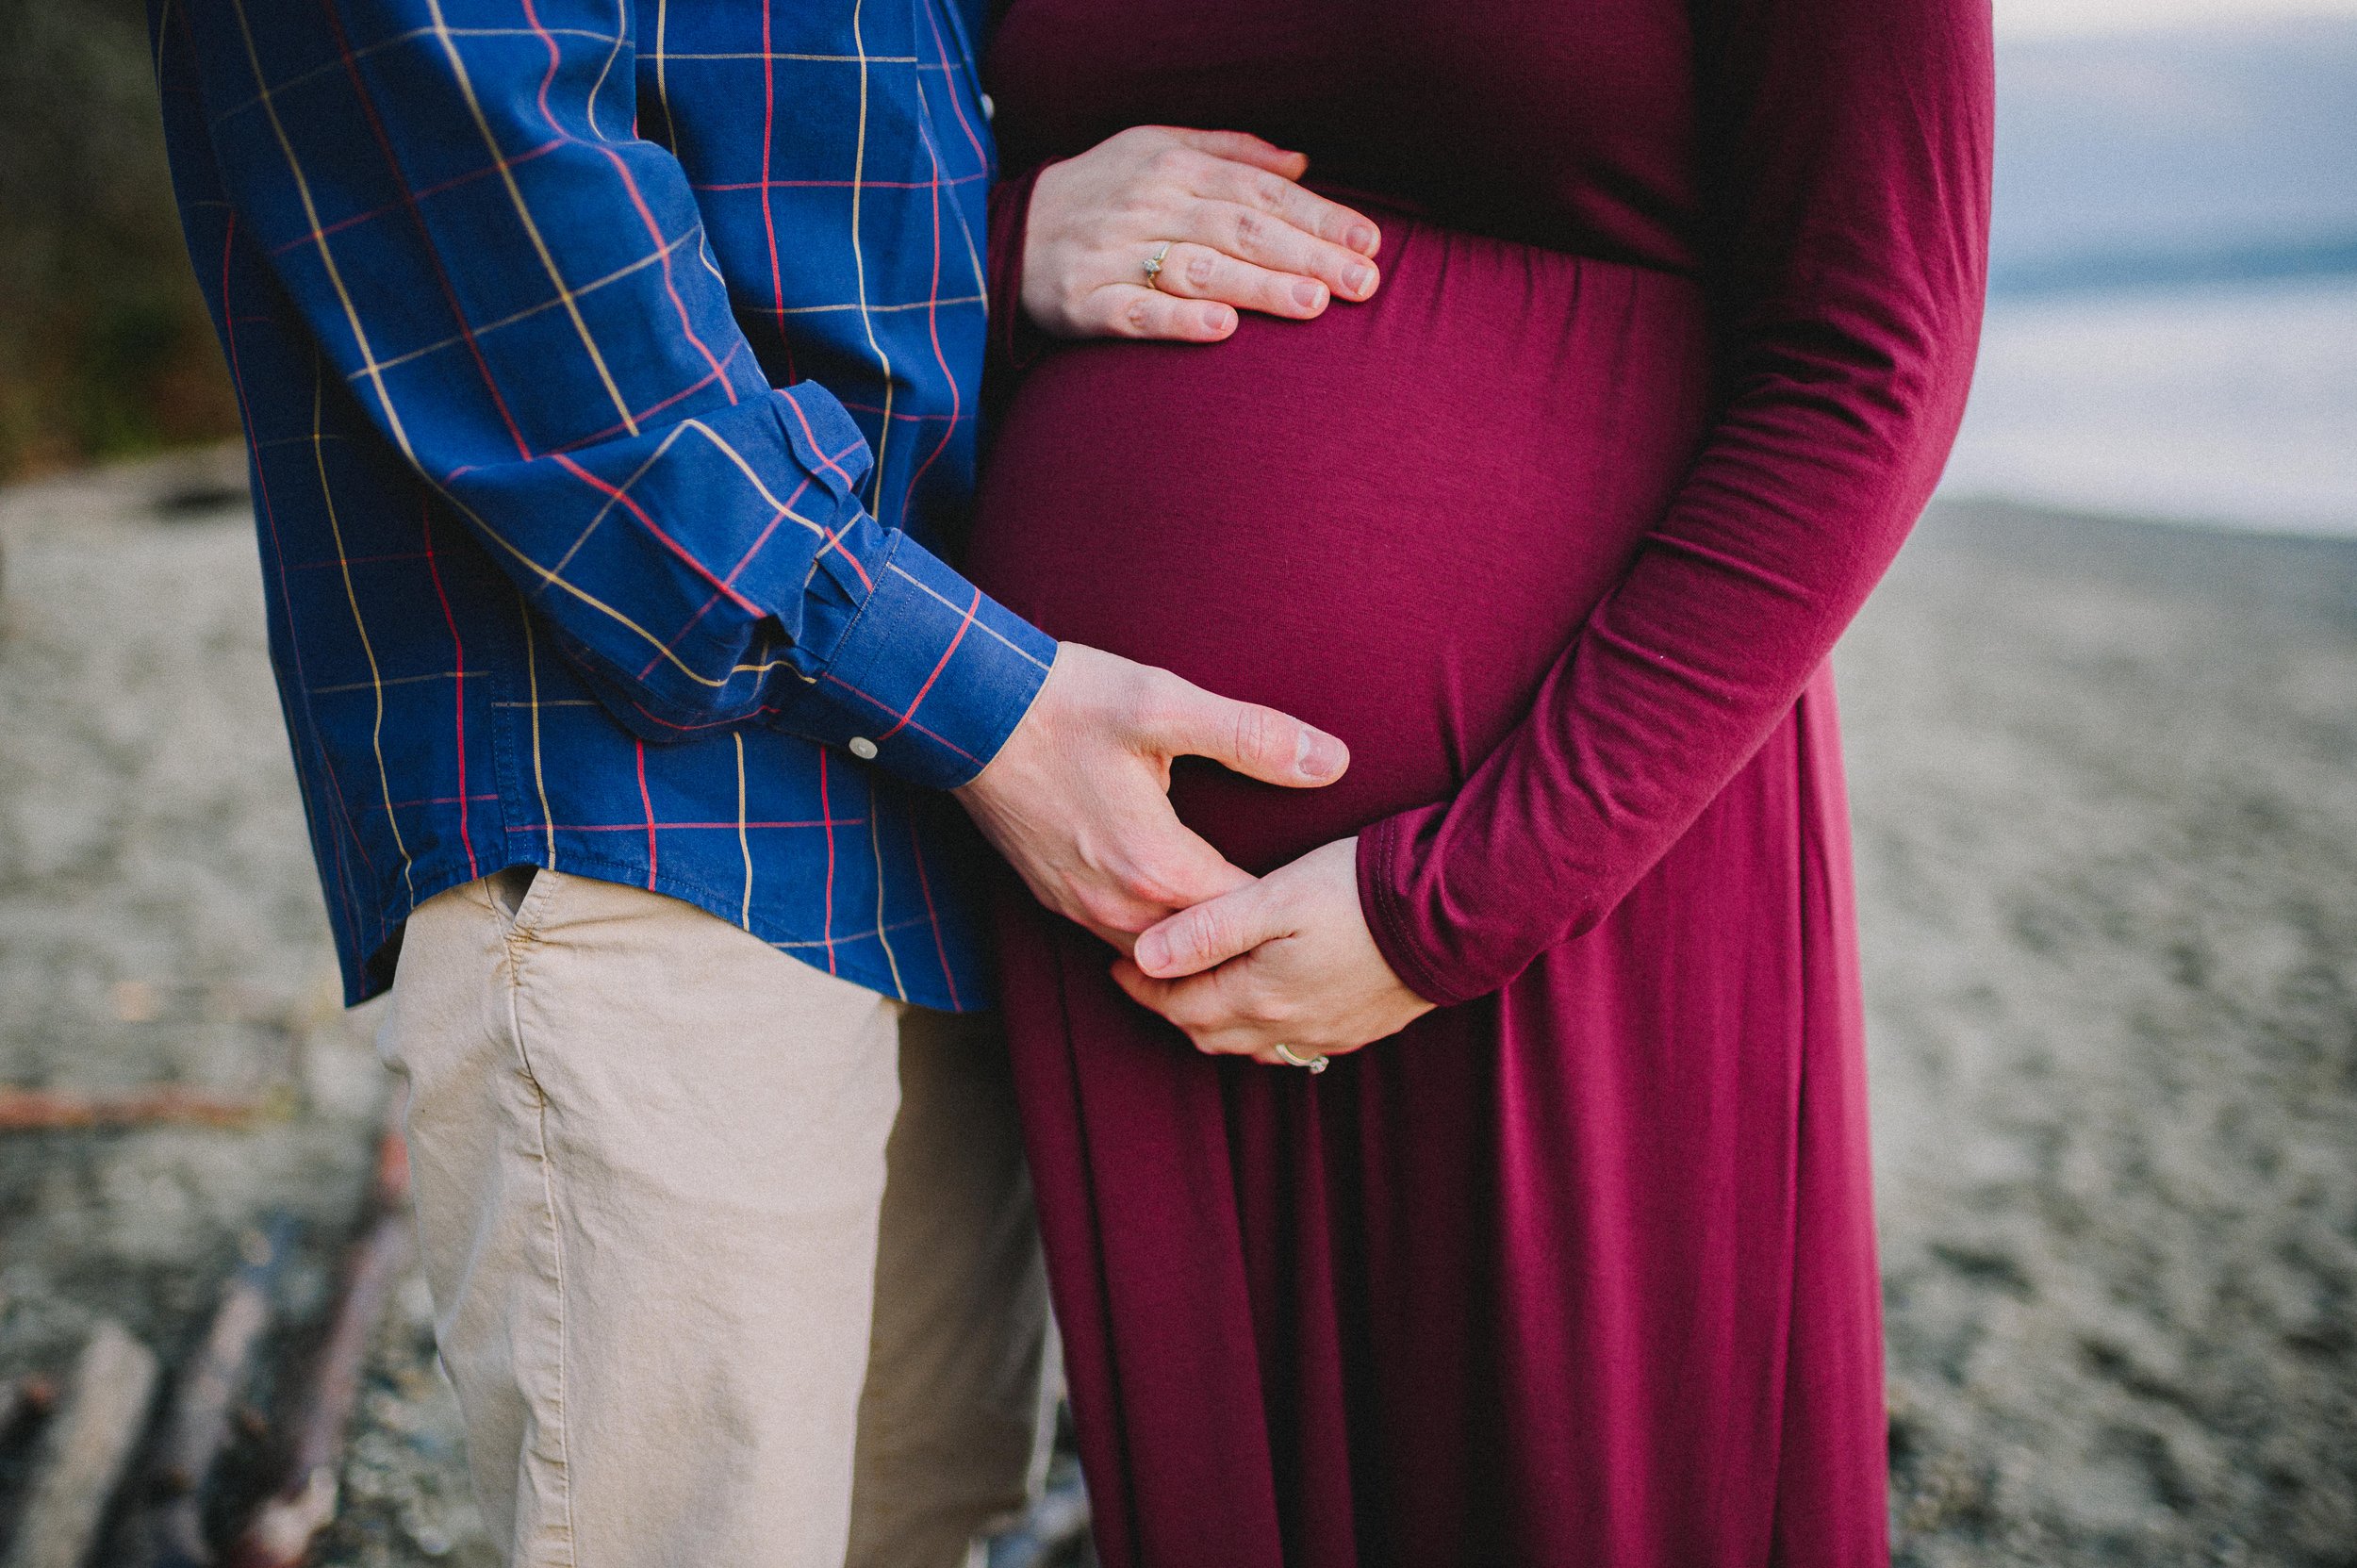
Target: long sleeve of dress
point(1846, 147)
point(1015, 342)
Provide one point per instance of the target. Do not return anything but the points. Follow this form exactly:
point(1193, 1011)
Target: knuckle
point(1186, 938)
point(1137, 316)
point(1149, 884)
point(1250, 228)
point(1211, 930)
point(1255, 729)
point(1162, 702)
point(1255, 1001)
point(1271, 190)
point(1098, 908)
point(1201, 268)
point(1185, 1007)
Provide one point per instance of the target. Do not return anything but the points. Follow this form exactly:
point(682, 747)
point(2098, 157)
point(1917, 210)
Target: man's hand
point(1078, 800)
point(1241, 235)
point(1286, 959)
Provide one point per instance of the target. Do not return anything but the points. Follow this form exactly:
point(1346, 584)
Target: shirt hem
point(367, 975)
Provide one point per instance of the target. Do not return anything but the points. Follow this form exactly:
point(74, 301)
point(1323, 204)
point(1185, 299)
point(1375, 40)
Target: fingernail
point(1361, 239)
point(1358, 279)
point(1218, 318)
point(1153, 951)
point(1309, 296)
point(1316, 755)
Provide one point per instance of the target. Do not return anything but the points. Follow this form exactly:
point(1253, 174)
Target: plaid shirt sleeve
point(516, 290)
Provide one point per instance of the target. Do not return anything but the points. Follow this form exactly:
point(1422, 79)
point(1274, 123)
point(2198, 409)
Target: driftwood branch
point(89, 1443)
point(198, 1424)
point(23, 1397)
point(60, 1110)
point(282, 1530)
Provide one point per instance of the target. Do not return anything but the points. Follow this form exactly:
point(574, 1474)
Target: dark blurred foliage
point(104, 347)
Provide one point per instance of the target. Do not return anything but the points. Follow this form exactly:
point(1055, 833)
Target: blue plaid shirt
point(610, 374)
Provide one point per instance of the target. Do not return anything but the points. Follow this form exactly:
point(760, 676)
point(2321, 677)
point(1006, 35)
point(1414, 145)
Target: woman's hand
point(1241, 235)
point(1285, 960)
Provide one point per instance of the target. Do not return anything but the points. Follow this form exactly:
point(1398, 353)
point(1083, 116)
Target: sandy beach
point(2106, 823)
point(2104, 784)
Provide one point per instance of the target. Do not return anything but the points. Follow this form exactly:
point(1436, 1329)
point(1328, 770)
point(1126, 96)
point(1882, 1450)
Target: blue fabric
point(610, 377)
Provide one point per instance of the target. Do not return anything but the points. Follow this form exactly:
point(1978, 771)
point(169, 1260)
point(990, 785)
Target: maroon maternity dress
point(1678, 309)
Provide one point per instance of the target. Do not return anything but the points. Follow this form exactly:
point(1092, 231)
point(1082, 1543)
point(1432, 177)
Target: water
point(2225, 402)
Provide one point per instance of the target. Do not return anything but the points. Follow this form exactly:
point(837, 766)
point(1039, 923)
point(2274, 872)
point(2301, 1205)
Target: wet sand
point(2104, 778)
point(2104, 788)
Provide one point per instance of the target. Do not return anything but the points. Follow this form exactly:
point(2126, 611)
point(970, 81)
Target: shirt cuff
point(932, 675)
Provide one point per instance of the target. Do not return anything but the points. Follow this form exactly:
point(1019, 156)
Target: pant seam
point(515, 941)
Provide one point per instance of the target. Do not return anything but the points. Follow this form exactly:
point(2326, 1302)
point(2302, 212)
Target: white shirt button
point(863, 748)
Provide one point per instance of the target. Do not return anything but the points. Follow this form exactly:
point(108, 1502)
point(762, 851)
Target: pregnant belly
point(1389, 522)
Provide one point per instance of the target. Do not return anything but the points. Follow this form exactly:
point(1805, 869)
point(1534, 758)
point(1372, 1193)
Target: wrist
point(1031, 731)
point(1381, 907)
point(1015, 338)
point(932, 676)
point(1034, 294)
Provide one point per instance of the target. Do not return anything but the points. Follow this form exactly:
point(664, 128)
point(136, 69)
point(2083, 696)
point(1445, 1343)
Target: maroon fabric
point(1678, 311)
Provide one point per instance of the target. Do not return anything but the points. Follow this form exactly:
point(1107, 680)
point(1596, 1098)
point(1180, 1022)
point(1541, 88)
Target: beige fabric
point(651, 1161)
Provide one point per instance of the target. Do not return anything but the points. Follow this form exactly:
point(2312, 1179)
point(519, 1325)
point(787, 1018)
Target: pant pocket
point(510, 888)
point(519, 897)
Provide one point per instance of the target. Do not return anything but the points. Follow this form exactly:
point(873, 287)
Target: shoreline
point(2272, 563)
point(2104, 802)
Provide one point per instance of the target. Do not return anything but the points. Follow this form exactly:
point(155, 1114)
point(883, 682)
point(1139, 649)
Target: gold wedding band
point(1316, 1064)
point(1153, 265)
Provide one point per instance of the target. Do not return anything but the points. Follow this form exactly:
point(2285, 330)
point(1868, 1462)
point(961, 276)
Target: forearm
point(1850, 143)
point(511, 286)
point(1668, 692)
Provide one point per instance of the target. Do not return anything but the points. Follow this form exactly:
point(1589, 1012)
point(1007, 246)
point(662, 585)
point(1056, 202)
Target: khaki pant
point(682, 1200)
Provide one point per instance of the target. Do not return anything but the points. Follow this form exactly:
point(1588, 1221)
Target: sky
point(2049, 18)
